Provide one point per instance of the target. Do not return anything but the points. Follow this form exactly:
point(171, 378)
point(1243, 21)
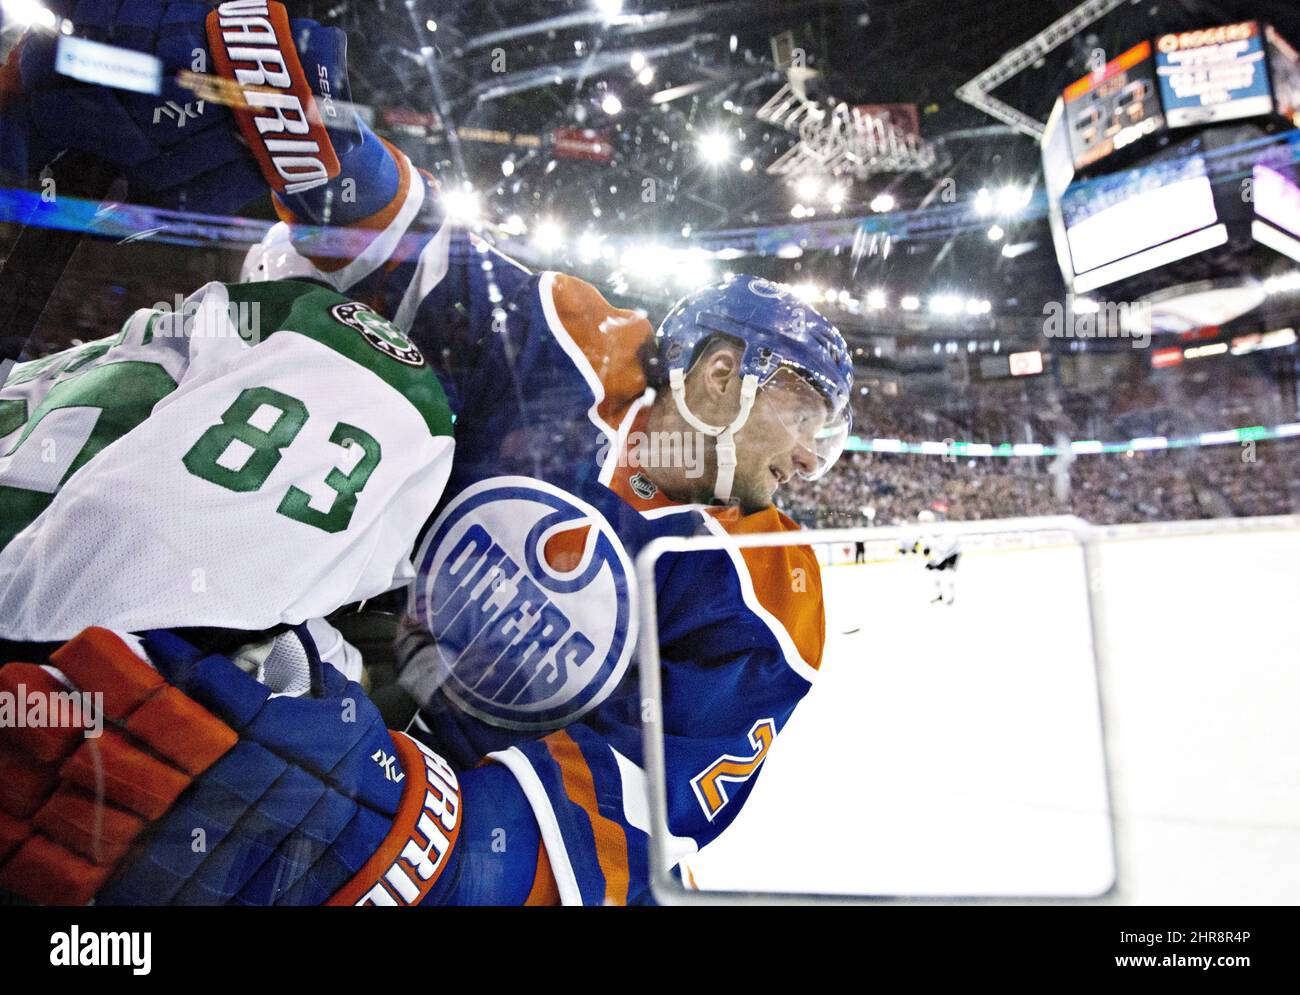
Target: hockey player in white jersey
point(253, 460)
point(942, 555)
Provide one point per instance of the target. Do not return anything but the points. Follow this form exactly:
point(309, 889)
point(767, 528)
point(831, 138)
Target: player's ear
point(720, 371)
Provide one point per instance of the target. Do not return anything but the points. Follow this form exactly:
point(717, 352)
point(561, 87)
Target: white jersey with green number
point(265, 455)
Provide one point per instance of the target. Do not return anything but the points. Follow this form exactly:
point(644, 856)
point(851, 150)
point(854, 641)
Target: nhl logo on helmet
point(526, 592)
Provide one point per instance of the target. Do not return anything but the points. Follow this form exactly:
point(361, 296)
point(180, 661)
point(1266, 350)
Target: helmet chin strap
point(725, 435)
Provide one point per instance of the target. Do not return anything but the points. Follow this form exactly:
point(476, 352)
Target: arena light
point(514, 225)
point(29, 14)
point(997, 233)
point(809, 292)
point(1087, 447)
point(746, 164)
point(1013, 199)
point(462, 204)
point(714, 147)
point(589, 247)
point(611, 105)
point(637, 62)
point(548, 235)
point(887, 445)
point(876, 299)
point(910, 303)
point(883, 203)
point(984, 201)
point(507, 167)
point(807, 187)
point(946, 304)
point(646, 76)
point(610, 8)
point(1201, 351)
point(835, 194)
point(648, 262)
point(692, 269)
point(1027, 449)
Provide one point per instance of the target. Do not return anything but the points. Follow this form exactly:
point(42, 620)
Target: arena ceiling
point(653, 77)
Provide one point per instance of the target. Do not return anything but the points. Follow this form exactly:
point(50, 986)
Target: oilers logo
point(527, 593)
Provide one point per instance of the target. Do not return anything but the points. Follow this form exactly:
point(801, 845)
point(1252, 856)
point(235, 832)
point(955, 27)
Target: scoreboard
point(1213, 75)
point(1113, 108)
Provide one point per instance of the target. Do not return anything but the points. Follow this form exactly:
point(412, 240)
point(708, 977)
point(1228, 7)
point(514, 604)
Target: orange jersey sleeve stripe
point(544, 891)
point(787, 581)
point(611, 840)
point(610, 338)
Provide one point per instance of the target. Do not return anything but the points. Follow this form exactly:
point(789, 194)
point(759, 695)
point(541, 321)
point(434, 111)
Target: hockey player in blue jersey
point(582, 435)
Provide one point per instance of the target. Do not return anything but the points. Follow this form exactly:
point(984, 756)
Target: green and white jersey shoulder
point(261, 454)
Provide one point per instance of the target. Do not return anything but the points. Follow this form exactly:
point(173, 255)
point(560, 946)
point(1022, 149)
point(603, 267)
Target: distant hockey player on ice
point(941, 558)
point(941, 555)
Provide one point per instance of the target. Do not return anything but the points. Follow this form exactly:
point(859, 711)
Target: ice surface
point(956, 750)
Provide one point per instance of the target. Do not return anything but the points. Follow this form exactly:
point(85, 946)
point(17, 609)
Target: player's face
point(778, 440)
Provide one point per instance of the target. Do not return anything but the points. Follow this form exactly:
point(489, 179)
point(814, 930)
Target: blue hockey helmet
point(778, 331)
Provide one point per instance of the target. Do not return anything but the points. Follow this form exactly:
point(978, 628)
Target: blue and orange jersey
point(523, 619)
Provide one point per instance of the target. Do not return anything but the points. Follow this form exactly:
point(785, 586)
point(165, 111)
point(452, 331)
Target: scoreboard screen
point(1107, 110)
point(1217, 74)
point(1277, 197)
point(1126, 213)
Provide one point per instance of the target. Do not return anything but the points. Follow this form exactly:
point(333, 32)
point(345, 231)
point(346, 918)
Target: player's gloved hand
point(182, 147)
point(206, 787)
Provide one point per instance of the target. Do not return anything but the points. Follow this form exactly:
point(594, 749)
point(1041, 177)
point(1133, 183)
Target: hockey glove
point(248, 99)
point(206, 787)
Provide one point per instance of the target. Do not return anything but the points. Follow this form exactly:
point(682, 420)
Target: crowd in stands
point(1229, 394)
point(1180, 482)
point(1231, 480)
